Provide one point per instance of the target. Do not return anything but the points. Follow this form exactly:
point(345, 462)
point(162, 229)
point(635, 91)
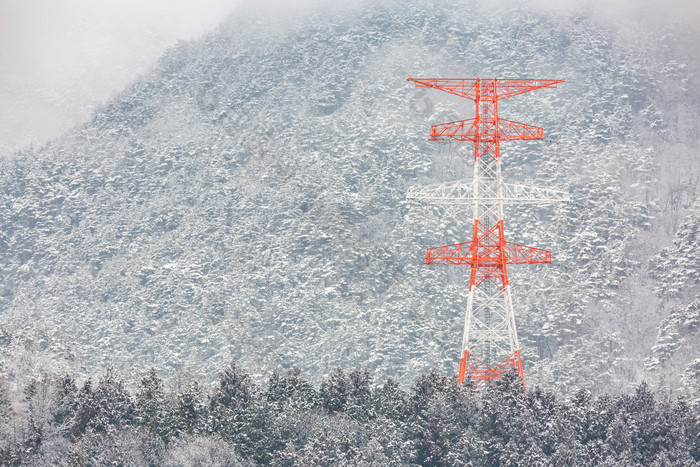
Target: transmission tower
point(490, 342)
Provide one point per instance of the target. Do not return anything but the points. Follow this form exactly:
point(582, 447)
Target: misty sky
point(60, 59)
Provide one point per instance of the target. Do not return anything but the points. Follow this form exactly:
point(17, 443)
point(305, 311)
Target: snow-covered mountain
point(247, 197)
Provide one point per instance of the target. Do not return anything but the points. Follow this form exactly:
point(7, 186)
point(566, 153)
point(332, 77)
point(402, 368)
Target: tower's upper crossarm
point(474, 88)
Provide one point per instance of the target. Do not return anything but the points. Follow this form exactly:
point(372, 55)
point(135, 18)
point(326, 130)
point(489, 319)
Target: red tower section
point(490, 343)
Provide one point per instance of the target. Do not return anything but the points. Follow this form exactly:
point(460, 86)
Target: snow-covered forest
point(346, 420)
point(246, 198)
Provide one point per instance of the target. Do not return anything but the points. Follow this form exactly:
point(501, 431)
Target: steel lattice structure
point(490, 343)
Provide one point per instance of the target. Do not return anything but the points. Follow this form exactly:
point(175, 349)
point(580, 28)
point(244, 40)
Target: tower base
point(480, 372)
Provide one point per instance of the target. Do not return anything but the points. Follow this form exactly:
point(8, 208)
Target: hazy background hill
point(246, 197)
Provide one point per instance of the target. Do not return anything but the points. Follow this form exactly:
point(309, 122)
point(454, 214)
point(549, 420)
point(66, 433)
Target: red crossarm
point(487, 251)
point(472, 88)
point(485, 130)
point(488, 254)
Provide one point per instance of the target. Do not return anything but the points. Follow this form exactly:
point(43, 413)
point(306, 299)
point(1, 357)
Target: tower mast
point(490, 341)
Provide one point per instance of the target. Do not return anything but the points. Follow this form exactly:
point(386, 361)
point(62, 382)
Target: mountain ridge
point(246, 197)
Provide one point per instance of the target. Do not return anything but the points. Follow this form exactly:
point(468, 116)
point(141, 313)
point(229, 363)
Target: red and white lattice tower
point(490, 343)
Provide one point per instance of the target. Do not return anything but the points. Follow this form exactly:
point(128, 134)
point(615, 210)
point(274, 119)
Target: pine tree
point(237, 414)
point(107, 408)
point(389, 401)
point(335, 391)
point(86, 410)
point(236, 389)
point(292, 390)
point(503, 409)
point(66, 403)
point(359, 395)
point(190, 411)
point(439, 412)
point(151, 408)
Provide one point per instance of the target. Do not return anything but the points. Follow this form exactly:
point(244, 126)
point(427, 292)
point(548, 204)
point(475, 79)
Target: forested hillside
point(247, 198)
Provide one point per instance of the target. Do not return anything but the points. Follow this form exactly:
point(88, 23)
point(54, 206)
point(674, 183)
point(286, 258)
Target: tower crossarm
point(485, 129)
point(462, 193)
point(488, 249)
point(471, 88)
point(486, 254)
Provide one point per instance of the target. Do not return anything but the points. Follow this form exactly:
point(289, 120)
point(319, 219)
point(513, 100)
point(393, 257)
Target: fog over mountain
point(246, 197)
point(61, 60)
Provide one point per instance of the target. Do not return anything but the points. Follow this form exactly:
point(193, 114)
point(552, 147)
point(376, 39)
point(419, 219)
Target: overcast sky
point(60, 59)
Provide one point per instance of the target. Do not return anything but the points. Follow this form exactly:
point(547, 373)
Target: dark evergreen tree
point(501, 405)
point(565, 456)
point(237, 414)
point(541, 420)
point(288, 398)
point(38, 399)
point(336, 440)
point(687, 425)
point(349, 393)
point(389, 401)
point(580, 413)
point(359, 404)
point(291, 390)
point(235, 389)
point(440, 412)
point(334, 392)
point(190, 411)
point(287, 457)
point(533, 456)
point(468, 450)
point(107, 408)
point(152, 411)
point(86, 410)
point(66, 400)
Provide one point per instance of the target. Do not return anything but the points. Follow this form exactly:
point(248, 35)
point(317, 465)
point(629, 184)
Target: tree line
point(346, 420)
